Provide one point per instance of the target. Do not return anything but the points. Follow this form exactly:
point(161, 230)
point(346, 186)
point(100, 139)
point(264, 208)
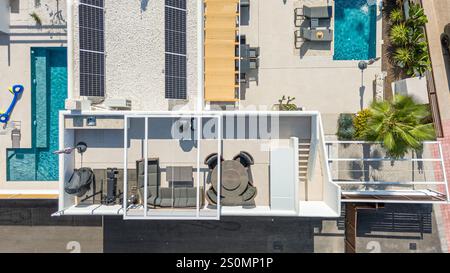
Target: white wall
point(4, 16)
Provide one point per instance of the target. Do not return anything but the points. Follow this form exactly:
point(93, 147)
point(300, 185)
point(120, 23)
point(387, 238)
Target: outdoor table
point(234, 178)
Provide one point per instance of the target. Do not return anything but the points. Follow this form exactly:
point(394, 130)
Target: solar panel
point(92, 47)
point(97, 3)
point(175, 47)
point(176, 3)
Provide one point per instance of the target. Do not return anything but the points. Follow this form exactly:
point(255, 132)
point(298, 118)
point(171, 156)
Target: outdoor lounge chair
point(322, 12)
point(153, 180)
point(317, 12)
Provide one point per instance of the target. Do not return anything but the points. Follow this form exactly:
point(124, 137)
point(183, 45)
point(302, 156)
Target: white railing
point(419, 179)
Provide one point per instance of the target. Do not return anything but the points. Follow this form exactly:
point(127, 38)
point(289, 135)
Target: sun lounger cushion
point(165, 197)
point(180, 197)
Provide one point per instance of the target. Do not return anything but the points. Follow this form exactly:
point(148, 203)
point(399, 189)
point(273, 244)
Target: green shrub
point(396, 16)
point(345, 127)
point(360, 123)
point(404, 57)
point(417, 17)
point(399, 34)
point(285, 104)
point(36, 18)
point(408, 38)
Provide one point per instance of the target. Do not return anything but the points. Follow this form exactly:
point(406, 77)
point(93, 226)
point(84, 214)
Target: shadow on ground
point(230, 234)
point(38, 213)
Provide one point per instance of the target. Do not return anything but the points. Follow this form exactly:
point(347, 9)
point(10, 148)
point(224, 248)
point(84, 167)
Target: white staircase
point(304, 147)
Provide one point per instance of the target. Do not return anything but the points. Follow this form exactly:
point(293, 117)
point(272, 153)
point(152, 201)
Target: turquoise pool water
point(49, 91)
point(354, 30)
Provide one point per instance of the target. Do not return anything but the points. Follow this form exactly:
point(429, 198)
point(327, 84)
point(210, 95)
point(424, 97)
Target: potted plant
point(285, 104)
point(36, 18)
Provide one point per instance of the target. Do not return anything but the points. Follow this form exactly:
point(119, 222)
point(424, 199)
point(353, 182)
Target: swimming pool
point(355, 30)
point(49, 91)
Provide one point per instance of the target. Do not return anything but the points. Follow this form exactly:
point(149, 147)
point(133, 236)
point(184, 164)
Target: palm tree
point(399, 124)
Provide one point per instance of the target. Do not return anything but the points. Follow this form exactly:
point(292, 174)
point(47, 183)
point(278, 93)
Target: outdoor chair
point(245, 158)
point(298, 17)
point(249, 194)
point(298, 40)
point(321, 12)
point(254, 64)
point(244, 65)
point(153, 180)
point(212, 196)
point(211, 161)
point(253, 52)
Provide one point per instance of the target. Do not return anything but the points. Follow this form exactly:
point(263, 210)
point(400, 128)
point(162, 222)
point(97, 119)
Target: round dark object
point(81, 147)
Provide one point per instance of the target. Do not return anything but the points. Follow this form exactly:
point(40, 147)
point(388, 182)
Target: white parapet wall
point(4, 16)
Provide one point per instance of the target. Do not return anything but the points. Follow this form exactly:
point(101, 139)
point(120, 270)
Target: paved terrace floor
point(15, 68)
point(312, 77)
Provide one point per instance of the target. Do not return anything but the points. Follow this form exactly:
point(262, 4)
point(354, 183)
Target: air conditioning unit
point(118, 104)
point(78, 105)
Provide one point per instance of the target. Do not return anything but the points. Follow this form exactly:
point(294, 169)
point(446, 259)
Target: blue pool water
point(49, 90)
point(354, 30)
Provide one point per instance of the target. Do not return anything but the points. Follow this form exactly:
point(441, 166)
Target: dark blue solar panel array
point(92, 47)
point(97, 3)
point(175, 43)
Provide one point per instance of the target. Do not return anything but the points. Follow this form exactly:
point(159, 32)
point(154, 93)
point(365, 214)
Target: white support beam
point(145, 168)
point(125, 166)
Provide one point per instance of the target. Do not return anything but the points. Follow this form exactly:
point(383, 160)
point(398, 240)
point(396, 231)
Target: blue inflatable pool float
point(16, 90)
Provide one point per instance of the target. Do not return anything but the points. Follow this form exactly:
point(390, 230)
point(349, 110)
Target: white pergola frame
point(147, 117)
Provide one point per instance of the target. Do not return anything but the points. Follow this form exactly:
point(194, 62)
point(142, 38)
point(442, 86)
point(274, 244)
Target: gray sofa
point(158, 196)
